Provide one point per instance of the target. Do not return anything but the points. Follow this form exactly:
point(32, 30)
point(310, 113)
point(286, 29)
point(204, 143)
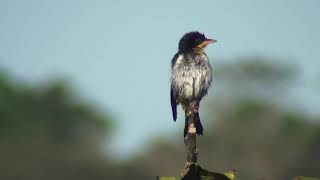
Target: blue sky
point(118, 53)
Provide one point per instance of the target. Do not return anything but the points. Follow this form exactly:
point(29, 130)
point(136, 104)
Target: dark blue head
point(194, 41)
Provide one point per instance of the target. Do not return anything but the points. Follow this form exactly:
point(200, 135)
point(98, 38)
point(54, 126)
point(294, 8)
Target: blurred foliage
point(255, 77)
point(46, 114)
point(259, 70)
point(47, 132)
point(305, 178)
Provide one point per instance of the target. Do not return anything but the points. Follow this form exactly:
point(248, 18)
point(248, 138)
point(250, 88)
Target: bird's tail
point(197, 123)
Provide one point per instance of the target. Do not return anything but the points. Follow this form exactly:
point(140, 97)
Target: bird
point(191, 77)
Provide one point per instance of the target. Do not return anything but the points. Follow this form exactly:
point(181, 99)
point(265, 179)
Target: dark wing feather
point(174, 60)
point(173, 92)
point(173, 104)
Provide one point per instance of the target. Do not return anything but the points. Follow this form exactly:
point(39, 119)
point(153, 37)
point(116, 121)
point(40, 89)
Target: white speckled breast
point(191, 77)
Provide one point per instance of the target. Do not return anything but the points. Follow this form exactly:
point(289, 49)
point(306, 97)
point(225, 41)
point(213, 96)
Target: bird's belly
point(193, 84)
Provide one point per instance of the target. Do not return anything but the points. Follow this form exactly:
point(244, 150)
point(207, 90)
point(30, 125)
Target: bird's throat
point(198, 50)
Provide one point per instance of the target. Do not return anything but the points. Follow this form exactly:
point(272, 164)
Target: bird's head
point(194, 41)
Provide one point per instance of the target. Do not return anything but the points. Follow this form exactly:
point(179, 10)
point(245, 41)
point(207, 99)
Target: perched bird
point(191, 77)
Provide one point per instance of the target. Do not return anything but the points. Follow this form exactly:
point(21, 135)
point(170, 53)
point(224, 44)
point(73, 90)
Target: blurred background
point(84, 88)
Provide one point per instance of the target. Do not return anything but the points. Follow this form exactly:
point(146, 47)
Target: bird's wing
point(172, 91)
point(173, 104)
point(174, 60)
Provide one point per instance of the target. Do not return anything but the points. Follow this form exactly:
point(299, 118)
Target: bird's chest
point(192, 78)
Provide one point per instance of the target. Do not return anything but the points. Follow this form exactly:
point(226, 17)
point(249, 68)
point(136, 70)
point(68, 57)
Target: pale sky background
point(118, 53)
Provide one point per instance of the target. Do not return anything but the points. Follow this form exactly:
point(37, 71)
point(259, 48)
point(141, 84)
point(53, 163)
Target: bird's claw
point(189, 113)
point(193, 108)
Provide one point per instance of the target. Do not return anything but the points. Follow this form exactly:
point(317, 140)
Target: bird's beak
point(209, 41)
point(206, 42)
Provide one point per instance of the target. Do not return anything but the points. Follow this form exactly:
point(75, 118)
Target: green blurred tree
point(49, 113)
point(47, 132)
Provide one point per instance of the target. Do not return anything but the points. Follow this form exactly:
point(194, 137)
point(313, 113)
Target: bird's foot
point(192, 108)
point(189, 113)
point(195, 110)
